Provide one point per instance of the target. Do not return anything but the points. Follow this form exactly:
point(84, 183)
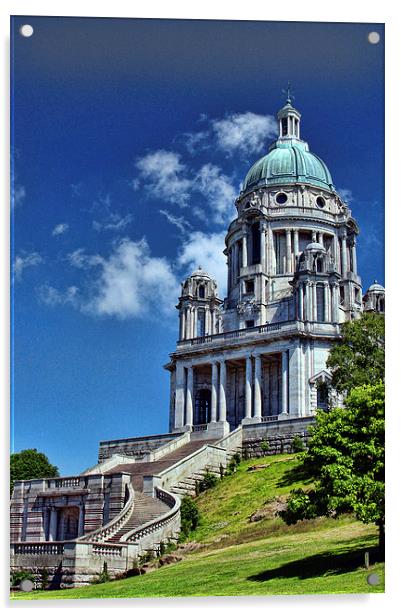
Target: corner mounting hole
point(26, 30)
point(373, 38)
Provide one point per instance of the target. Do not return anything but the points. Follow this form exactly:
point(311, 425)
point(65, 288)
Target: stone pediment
point(323, 375)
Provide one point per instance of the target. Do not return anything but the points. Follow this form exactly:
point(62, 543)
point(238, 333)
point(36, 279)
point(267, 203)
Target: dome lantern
point(289, 119)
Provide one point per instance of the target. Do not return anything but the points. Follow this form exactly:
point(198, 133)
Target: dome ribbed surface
point(289, 163)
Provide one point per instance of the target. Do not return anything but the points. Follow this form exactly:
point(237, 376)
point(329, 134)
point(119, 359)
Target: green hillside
point(234, 555)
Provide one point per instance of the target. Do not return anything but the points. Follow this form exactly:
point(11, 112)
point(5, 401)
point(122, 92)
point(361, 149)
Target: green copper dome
point(289, 162)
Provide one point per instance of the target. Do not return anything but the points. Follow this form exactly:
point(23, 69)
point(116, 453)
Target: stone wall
point(277, 437)
point(135, 447)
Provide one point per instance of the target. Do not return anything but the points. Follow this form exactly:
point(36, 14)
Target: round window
point(320, 202)
point(281, 198)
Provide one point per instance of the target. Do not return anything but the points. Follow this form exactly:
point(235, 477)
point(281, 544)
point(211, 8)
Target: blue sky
point(130, 141)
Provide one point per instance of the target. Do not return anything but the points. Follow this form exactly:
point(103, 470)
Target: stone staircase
point(146, 509)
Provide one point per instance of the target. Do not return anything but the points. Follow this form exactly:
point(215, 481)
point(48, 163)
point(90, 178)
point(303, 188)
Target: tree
point(346, 460)
point(30, 464)
point(359, 357)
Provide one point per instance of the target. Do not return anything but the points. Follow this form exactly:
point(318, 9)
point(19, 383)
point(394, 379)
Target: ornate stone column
point(344, 264)
point(214, 392)
point(334, 302)
point(248, 388)
point(284, 382)
point(179, 397)
point(53, 524)
point(354, 264)
point(321, 238)
point(296, 247)
point(301, 302)
point(273, 266)
point(258, 386)
point(244, 248)
point(189, 396)
point(195, 322)
point(222, 392)
point(288, 251)
point(263, 245)
point(182, 324)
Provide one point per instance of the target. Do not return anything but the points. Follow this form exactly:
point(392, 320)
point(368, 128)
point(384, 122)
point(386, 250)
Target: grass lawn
point(239, 557)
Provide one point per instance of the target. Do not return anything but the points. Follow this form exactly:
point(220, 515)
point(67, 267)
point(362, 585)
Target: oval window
point(320, 202)
point(281, 198)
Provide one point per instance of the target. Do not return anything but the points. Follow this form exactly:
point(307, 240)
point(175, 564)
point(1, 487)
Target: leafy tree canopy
point(359, 357)
point(346, 460)
point(30, 464)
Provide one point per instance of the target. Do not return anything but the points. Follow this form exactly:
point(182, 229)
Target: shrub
point(189, 516)
point(297, 444)
point(264, 445)
point(209, 481)
point(103, 577)
point(44, 579)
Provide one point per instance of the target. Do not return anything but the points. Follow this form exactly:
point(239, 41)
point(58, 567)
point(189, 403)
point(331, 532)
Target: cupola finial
point(290, 97)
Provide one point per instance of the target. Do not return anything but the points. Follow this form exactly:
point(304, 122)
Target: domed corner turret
point(198, 306)
point(374, 298)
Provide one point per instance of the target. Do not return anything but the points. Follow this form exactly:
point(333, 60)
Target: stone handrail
point(114, 525)
point(208, 455)
point(231, 440)
point(165, 519)
point(169, 447)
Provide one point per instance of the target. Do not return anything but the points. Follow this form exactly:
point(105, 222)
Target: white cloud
point(53, 297)
point(60, 229)
point(163, 175)
point(346, 195)
point(115, 222)
point(244, 132)
point(178, 221)
point(129, 283)
point(206, 250)
point(218, 190)
point(23, 261)
point(18, 194)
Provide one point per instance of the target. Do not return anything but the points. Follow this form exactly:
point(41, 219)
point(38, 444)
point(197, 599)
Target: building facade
point(292, 279)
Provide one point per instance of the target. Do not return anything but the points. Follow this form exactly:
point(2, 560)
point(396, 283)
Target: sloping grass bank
point(265, 557)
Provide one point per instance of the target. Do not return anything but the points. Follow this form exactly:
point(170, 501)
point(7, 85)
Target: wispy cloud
point(205, 250)
point(76, 189)
point(60, 229)
point(115, 222)
point(346, 195)
point(24, 261)
point(218, 190)
point(130, 282)
point(244, 133)
point(53, 297)
point(163, 175)
point(178, 221)
point(18, 194)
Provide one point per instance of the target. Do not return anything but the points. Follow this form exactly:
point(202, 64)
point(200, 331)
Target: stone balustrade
point(281, 327)
point(109, 529)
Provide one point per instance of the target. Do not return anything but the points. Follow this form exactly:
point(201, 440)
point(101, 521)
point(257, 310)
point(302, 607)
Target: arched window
point(202, 406)
point(201, 291)
point(255, 231)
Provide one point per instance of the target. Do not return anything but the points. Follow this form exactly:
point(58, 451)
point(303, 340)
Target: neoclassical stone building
point(247, 371)
point(292, 278)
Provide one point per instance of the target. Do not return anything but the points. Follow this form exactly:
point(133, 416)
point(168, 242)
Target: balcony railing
point(285, 327)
